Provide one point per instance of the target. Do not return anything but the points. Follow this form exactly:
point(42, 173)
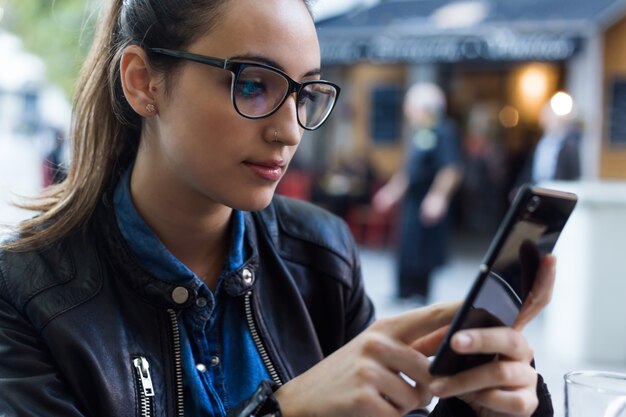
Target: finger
point(506, 375)
point(540, 294)
point(428, 345)
point(369, 401)
point(402, 395)
point(500, 340)
point(397, 357)
point(517, 402)
point(390, 387)
point(419, 322)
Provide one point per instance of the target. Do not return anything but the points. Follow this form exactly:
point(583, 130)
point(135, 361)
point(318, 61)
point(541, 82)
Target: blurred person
point(344, 185)
point(54, 164)
point(164, 278)
point(556, 154)
point(483, 190)
point(30, 121)
point(425, 185)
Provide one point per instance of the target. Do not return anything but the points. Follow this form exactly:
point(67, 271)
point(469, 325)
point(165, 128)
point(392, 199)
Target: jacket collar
point(174, 295)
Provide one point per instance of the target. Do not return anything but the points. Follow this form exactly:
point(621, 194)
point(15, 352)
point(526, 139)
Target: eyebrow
point(268, 61)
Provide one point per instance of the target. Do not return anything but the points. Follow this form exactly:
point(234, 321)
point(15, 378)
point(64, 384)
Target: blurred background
point(502, 66)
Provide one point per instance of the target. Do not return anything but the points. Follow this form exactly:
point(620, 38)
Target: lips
point(267, 170)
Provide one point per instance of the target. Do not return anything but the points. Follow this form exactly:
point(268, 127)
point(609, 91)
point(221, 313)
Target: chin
point(254, 202)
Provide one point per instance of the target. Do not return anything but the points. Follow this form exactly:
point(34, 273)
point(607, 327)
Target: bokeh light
point(534, 83)
point(561, 103)
point(508, 116)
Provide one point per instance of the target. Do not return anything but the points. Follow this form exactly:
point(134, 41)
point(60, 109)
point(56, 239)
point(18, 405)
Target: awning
point(491, 45)
point(431, 31)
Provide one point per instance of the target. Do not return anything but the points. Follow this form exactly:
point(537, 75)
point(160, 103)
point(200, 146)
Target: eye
point(250, 88)
point(307, 96)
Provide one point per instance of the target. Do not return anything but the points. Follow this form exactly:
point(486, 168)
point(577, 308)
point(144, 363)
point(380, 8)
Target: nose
point(286, 122)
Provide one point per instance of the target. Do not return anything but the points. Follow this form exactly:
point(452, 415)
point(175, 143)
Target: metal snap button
point(201, 302)
point(180, 295)
point(215, 360)
point(201, 367)
point(248, 277)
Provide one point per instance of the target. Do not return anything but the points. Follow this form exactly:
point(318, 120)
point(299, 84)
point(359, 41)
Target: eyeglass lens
point(258, 92)
point(315, 104)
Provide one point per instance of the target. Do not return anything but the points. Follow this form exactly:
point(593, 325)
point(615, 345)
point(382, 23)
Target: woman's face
point(199, 149)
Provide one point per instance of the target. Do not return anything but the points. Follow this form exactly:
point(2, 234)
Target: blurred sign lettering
point(496, 45)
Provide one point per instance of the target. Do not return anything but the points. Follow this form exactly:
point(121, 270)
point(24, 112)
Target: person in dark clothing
point(164, 278)
point(425, 186)
point(55, 169)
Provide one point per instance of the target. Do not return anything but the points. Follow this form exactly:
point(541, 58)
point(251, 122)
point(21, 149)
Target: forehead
point(282, 30)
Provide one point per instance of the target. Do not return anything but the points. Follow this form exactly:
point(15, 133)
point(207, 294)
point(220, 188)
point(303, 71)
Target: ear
point(138, 81)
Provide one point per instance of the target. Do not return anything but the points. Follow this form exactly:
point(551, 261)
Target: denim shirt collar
point(153, 254)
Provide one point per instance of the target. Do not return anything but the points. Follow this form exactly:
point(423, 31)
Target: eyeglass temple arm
point(215, 62)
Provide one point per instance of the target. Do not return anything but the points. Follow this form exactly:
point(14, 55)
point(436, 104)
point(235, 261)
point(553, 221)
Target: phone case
point(528, 231)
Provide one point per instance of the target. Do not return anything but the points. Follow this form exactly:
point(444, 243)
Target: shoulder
point(448, 128)
point(301, 220)
point(41, 284)
point(306, 233)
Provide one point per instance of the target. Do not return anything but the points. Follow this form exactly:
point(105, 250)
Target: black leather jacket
point(85, 331)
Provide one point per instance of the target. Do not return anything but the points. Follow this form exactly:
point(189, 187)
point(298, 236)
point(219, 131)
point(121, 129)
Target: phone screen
point(507, 274)
point(507, 283)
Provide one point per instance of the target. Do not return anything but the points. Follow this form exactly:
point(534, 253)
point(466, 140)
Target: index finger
point(419, 322)
point(540, 294)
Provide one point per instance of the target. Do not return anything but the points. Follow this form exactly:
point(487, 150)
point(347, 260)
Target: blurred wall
point(363, 79)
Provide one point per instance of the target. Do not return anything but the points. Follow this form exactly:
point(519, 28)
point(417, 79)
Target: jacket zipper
point(146, 389)
point(178, 369)
point(257, 340)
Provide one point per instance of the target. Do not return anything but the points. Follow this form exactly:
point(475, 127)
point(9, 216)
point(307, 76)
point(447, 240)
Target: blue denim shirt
point(221, 365)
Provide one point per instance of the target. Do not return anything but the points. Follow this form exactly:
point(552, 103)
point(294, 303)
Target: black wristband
point(270, 407)
point(260, 404)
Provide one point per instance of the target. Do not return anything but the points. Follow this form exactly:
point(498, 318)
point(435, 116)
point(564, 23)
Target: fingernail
point(462, 340)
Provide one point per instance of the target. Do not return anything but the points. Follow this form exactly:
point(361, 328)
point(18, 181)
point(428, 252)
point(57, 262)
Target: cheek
point(196, 136)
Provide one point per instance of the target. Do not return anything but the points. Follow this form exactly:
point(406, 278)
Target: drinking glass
point(595, 394)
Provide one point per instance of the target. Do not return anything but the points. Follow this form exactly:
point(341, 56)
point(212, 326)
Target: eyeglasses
point(258, 90)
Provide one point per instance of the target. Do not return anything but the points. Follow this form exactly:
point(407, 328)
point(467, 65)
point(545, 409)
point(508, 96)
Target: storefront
point(498, 62)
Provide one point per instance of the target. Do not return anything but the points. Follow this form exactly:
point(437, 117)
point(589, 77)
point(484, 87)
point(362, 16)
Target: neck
point(194, 230)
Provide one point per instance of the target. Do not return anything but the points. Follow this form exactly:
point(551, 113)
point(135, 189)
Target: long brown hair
point(105, 130)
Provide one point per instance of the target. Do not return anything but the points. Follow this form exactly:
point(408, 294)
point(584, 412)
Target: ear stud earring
point(150, 108)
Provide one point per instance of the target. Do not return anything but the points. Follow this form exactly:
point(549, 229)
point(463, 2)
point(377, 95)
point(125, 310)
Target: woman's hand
point(503, 387)
point(363, 377)
point(507, 386)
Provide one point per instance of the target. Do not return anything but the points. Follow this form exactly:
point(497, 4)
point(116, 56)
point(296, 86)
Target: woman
point(162, 279)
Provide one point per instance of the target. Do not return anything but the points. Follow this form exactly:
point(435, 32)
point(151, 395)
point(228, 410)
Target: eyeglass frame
point(235, 67)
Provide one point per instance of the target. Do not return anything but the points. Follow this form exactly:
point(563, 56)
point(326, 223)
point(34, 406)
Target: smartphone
point(528, 231)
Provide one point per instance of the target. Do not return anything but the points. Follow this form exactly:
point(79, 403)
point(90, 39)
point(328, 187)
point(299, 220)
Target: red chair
point(296, 184)
point(369, 227)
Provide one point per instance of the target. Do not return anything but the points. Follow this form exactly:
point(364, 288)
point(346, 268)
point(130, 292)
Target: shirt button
point(201, 367)
point(180, 295)
point(248, 277)
point(201, 302)
point(215, 360)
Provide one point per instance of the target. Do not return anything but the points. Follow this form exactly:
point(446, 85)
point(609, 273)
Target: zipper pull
point(143, 370)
